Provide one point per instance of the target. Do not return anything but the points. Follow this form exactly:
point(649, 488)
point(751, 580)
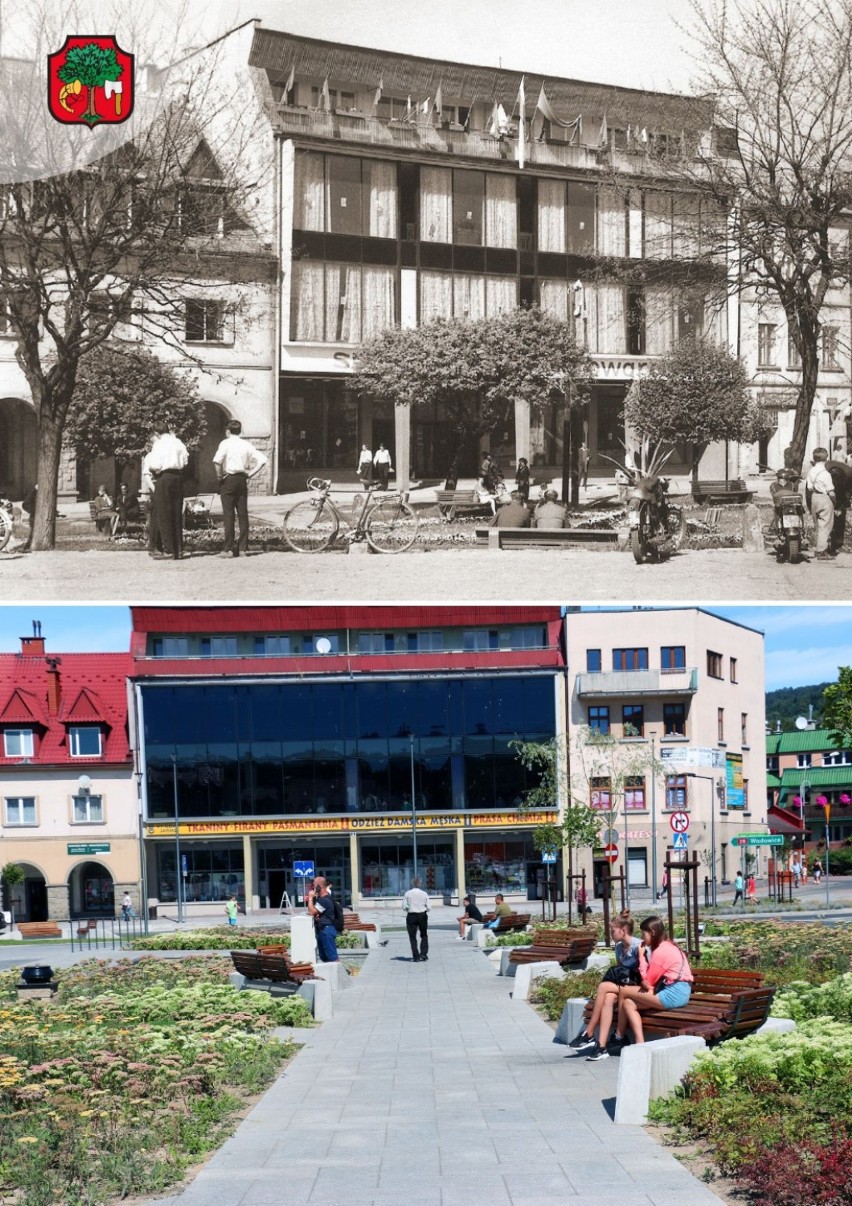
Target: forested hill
point(787, 703)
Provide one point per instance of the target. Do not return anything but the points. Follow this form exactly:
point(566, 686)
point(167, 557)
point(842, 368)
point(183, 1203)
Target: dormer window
point(84, 741)
point(19, 743)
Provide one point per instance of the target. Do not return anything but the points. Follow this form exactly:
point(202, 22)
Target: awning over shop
point(781, 820)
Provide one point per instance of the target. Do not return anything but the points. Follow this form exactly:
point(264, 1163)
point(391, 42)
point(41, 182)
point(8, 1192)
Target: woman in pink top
point(659, 960)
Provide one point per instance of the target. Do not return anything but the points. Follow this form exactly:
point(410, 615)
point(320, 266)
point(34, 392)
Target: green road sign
point(88, 847)
point(758, 839)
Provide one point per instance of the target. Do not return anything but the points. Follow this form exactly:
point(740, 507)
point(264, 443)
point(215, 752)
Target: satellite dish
point(801, 723)
point(84, 783)
point(323, 645)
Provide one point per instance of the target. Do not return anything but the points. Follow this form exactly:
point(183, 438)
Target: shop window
point(18, 743)
point(87, 810)
point(20, 810)
point(498, 866)
point(674, 719)
point(599, 718)
point(84, 741)
point(673, 657)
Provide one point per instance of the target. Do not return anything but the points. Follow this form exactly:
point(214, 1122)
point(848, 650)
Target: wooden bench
point(735, 491)
point(39, 929)
point(548, 945)
point(723, 1005)
point(351, 921)
point(451, 502)
point(271, 963)
point(528, 538)
point(87, 927)
point(515, 921)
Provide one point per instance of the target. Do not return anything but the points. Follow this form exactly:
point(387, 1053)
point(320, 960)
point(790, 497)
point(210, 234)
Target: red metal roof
point(316, 619)
point(92, 690)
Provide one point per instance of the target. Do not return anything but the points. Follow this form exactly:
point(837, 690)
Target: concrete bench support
point(651, 1070)
point(318, 995)
point(570, 1021)
point(334, 974)
point(527, 972)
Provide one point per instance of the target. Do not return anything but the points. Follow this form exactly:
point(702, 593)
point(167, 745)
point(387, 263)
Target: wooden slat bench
point(724, 1004)
point(515, 921)
point(451, 502)
point(527, 538)
point(572, 950)
point(39, 929)
point(84, 928)
point(351, 921)
point(735, 491)
point(271, 964)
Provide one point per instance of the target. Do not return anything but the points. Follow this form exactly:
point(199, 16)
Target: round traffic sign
point(679, 822)
point(610, 853)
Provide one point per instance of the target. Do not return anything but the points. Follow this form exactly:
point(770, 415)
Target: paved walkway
point(431, 1087)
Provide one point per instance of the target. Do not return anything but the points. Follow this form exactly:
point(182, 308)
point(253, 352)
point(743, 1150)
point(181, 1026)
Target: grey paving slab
point(430, 1086)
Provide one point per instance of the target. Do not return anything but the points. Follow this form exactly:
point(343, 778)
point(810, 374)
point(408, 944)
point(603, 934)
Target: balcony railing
point(638, 682)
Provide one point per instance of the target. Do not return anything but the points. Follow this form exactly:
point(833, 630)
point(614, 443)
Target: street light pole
point(653, 819)
point(177, 840)
point(413, 805)
point(711, 779)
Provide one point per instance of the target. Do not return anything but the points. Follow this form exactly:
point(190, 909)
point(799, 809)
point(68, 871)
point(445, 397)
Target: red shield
point(90, 81)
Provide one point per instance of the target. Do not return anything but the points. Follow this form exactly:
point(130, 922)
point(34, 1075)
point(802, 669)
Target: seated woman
point(127, 509)
point(606, 997)
point(666, 981)
point(103, 511)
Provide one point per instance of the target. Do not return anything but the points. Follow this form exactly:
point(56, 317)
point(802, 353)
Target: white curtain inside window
point(500, 211)
point(307, 300)
point(658, 226)
point(310, 192)
point(659, 320)
point(381, 178)
point(436, 204)
point(501, 293)
point(551, 215)
point(612, 318)
point(468, 296)
point(553, 298)
point(612, 223)
point(377, 300)
point(687, 237)
point(343, 303)
point(436, 295)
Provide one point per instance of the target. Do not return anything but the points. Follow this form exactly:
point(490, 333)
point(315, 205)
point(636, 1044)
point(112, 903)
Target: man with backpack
point(322, 907)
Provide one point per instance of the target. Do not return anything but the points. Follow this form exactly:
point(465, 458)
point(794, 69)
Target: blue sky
point(804, 644)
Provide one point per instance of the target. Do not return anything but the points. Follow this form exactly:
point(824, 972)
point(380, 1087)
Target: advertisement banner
point(734, 794)
point(452, 820)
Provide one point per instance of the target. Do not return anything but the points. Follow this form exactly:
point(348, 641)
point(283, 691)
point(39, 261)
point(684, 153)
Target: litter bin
point(152, 908)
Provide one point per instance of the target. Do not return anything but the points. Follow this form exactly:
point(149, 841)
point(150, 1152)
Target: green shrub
point(802, 1001)
point(551, 994)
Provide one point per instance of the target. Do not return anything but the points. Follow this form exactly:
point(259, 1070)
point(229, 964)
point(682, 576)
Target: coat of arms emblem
point(90, 81)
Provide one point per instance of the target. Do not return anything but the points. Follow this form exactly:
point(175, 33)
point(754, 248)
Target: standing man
point(820, 497)
point(416, 905)
point(382, 466)
point(841, 476)
point(321, 908)
point(165, 464)
point(236, 461)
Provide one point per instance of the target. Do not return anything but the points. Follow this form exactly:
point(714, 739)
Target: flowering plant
point(822, 801)
point(846, 798)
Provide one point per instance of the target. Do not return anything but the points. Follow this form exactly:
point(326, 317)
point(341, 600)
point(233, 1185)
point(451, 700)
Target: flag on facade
point(325, 101)
point(288, 87)
point(522, 124)
point(544, 107)
point(439, 101)
point(603, 137)
point(499, 122)
point(378, 95)
point(643, 135)
point(409, 111)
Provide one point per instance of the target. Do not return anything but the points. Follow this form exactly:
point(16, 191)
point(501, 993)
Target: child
point(231, 910)
point(752, 890)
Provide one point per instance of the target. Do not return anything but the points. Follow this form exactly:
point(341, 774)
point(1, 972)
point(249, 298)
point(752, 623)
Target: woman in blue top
point(606, 998)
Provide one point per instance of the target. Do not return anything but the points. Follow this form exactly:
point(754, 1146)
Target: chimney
point(54, 686)
point(33, 646)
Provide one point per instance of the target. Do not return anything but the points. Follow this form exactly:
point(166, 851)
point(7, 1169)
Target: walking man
point(165, 464)
point(382, 466)
point(236, 461)
point(820, 497)
point(321, 908)
point(416, 905)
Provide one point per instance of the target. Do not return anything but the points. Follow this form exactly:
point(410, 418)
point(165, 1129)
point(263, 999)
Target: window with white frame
point(803, 760)
point(20, 810)
point(84, 741)
point(208, 321)
point(87, 809)
point(837, 758)
point(830, 358)
point(19, 743)
point(766, 344)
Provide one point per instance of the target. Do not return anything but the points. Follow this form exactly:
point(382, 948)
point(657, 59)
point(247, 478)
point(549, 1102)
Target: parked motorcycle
point(657, 526)
point(789, 518)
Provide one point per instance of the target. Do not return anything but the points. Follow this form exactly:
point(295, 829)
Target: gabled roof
point(22, 707)
point(86, 708)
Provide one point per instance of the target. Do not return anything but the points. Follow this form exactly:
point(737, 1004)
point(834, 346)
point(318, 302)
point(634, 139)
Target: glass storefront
point(285, 749)
point(275, 861)
point(387, 866)
point(498, 865)
point(214, 871)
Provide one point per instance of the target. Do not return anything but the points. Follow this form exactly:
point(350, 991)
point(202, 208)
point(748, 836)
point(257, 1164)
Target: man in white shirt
point(164, 465)
point(416, 905)
point(236, 460)
point(820, 497)
point(382, 466)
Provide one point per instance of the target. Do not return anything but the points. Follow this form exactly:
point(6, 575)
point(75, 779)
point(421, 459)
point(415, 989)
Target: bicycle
point(387, 523)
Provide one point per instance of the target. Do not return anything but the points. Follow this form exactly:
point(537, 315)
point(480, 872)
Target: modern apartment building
point(687, 687)
point(803, 769)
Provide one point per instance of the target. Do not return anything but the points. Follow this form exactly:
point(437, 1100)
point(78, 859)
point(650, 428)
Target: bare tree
point(780, 75)
point(104, 232)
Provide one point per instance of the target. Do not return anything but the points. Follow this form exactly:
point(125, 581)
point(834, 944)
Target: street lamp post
point(711, 779)
point(177, 840)
point(413, 805)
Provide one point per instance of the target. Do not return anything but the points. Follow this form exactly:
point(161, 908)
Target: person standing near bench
point(321, 908)
point(624, 971)
point(666, 980)
point(471, 913)
point(165, 464)
point(820, 497)
point(416, 905)
point(236, 461)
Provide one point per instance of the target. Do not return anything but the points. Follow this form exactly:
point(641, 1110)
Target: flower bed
point(784, 951)
point(227, 938)
point(134, 1071)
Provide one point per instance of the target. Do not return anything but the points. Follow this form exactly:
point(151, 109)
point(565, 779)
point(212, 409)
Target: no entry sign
point(610, 853)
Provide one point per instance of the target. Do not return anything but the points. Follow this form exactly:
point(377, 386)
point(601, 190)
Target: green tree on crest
point(92, 65)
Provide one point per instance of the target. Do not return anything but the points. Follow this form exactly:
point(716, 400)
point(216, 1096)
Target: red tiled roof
point(93, 690)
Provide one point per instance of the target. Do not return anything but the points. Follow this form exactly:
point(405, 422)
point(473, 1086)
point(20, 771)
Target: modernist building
point(802, 768)
point(689, 685)
point(266, 737)
point(70, 815)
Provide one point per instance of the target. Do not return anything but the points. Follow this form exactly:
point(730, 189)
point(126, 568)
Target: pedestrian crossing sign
point(681, 841)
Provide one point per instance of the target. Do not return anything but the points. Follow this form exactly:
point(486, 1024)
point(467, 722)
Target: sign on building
point(88, 847)
point(734, 790)
point(692, 755)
